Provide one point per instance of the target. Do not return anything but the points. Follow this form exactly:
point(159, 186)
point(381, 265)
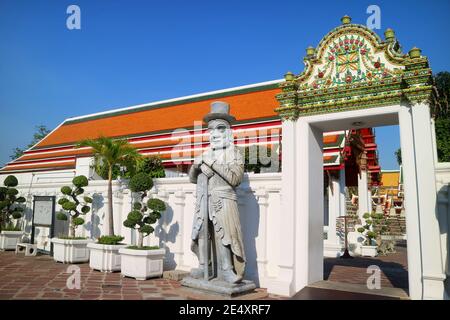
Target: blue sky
point(132, 52)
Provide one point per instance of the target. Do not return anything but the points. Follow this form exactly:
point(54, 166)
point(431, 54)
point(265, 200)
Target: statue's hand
point(206, 170)
point(197, 162)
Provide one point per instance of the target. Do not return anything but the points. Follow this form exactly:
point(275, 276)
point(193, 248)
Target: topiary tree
point(73, 205)
point(373, 221)
point(11, 205)
point(143, 215)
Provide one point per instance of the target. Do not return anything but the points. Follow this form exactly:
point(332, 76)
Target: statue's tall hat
point(219, 110)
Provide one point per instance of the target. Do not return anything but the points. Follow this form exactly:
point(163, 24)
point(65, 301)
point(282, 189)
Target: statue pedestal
point(219, 286)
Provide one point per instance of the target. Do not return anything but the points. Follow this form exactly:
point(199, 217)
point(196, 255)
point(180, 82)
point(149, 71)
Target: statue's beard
point(220, 145)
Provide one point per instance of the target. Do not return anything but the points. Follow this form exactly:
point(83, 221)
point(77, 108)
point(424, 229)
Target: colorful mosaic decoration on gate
point(349, 59)
point(353, 68)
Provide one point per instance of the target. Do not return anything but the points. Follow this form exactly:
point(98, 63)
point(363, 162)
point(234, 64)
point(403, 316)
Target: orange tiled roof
point(246, 106)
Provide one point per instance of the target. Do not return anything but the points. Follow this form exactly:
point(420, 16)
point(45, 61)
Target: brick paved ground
point(394, 270)
point(41, 278)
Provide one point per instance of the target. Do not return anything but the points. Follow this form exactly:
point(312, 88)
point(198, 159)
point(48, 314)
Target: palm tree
point(108, 155)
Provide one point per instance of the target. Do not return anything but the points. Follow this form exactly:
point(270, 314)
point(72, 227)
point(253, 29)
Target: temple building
point(171, 130)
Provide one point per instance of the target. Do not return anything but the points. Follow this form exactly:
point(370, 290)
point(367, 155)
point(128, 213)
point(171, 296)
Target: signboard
point(43, 223)
point(43, 211)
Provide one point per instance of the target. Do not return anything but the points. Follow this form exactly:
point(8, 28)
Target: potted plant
point(104, 254)
point(143, 262)
point(369, 249)
point(11, 208)
point(72, 249)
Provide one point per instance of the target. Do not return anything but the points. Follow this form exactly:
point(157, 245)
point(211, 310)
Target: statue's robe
point(222, 203)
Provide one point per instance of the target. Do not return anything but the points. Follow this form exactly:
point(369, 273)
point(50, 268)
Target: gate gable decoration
point(353, 68)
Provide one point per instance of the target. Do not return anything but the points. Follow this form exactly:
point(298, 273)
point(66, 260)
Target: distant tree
point(151, 165)
point(442, 84)
point(398, 154)
point(256, 157)
point(41, 132)
point(442, 116)
point(442, 128)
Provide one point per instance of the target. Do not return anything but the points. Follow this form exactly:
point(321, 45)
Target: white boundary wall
point(443, 202)
point(259, 204)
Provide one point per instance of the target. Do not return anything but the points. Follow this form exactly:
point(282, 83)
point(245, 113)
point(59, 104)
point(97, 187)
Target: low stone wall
point(259, 205)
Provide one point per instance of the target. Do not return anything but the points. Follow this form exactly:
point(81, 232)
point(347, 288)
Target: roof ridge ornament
point(346, 19)
point(389, 35)
point(415, 53)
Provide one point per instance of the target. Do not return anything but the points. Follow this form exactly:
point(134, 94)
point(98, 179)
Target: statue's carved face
point(220, 135)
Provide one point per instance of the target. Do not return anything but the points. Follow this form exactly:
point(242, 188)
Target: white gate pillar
point(424, 252)
point(332, 243)
point(363, 194)
point(284, 283)
point(343, 200)
point(309, 205)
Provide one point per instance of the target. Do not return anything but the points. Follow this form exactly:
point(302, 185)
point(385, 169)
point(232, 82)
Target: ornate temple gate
point(355, 79)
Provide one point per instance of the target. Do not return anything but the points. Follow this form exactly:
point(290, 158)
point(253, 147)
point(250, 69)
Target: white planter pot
point(104, 257)
point(369, 251)
point(142, 264)
point(70, 250)
point(9, 239)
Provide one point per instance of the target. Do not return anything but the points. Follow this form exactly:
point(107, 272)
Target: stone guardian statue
point(216, 231)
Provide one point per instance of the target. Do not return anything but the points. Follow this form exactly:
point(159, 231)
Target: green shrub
point(66, 190)
point(21, 200)
point(141, 182)
point(11, 181)
point(69, 206)
point(156, 205)
point(3, 192)
point(78, 221)
point(110, 240)
point(11, 227)
point(62, 201)
point(12, 192)
point(80, 181)
point(61, 216)
point(143, 248)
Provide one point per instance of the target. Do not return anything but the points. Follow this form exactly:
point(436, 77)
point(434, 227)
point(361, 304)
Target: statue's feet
point(197, 273)
point(231, 277)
